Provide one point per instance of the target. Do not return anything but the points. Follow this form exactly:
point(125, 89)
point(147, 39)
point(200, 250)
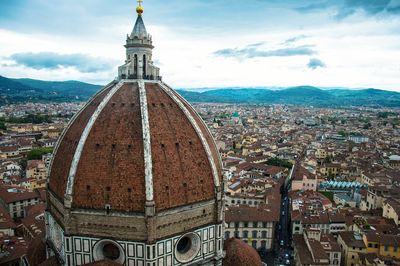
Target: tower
point(139, 46)
point(136, 177)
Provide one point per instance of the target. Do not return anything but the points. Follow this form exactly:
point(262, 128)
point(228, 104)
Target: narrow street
point(283, 254)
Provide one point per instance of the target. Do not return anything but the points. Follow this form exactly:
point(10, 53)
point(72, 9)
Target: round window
point(184, 245)
point(187, 247)
point(108, 249)
point(111, 251)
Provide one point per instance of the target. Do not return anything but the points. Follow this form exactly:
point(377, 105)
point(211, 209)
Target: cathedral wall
point(184, 219)
point(81, 250)
point(114, 226)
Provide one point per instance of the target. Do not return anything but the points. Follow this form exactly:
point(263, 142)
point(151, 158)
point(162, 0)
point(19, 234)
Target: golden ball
point(139, 9)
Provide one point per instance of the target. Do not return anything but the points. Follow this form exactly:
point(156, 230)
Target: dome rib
point(84, 136)
point(198, 131)
point(148, 163)
point(203, 126)
point(66, 145)
point(157, 160)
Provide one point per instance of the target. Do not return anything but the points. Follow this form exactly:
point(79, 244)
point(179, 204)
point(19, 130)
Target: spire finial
point(139, 8)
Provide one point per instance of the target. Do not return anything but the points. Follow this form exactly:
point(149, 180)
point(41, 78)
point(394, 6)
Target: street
point(283, 254)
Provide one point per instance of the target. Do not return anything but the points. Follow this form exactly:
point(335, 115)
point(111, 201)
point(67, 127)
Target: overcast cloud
point(198, 43)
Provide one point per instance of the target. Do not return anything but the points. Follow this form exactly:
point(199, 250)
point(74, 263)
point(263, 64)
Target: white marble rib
point(148, 162)
point(85, 134)
point(202, 121)
point(70, 124)
point(198, 131)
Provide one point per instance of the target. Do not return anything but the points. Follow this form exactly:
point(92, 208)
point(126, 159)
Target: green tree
point(367, 125)
point(279, 162)
point(327, 194)
point(31, 118)
point(328, 159)
point(36, 154)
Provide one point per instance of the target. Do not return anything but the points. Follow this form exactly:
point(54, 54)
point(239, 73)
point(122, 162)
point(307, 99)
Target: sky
point(208, 43)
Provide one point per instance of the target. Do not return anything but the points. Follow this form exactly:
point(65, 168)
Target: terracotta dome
point(129, 143)
point(36, 252)
point(136, 177)
point(239, 253)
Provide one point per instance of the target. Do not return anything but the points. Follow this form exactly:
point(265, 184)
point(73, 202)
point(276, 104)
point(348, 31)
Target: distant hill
point(30, 90)
point(302, 95)
point(69, 89)
point(23, 90)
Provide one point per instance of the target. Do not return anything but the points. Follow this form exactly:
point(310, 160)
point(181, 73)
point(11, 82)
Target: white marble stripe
point(197, 129)
point(72, 121)
point(148, 163)
point(202, 121)
point(85, 134)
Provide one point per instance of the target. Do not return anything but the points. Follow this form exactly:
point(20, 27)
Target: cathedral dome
point(134, 142)
point(138, 165)
point(136, 177)
point(239, 253)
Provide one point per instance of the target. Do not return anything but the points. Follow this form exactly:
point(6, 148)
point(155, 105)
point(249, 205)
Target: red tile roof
point(242, 213)
point(10, 194)
point(5, 220)
point(111, 166)
point(239, 253)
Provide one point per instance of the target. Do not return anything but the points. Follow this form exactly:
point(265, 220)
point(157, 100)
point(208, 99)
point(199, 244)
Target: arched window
point(263, 244)
point(144, 66)
point(245, 234)
point(227, 234)
point(264, 234)
point(254, 234)
point(135, 66)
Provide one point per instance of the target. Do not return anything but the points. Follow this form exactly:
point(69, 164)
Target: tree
point(36, 154)
point(331, 176)
point(31, 118)
point(279, 162)
point(328, 159)
point(367, 125)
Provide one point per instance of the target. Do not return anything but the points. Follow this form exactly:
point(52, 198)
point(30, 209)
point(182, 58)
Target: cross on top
point(140, 2)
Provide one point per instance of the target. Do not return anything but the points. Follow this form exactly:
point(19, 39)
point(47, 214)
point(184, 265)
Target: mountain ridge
point(299, 95)
point(31, 90)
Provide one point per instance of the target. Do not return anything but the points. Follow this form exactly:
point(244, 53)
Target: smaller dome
point(36, 252)
point(139, 10)
point(238, 253)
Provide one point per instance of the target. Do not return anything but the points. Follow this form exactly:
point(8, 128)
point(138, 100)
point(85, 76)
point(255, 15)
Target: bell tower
point(139, 46)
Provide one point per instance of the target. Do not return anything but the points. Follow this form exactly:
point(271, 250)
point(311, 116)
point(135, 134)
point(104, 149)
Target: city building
point(254, 225)
point(352, 246)
point(385, 245)
point(302, 179)
point(15, 200)
point(315, 248)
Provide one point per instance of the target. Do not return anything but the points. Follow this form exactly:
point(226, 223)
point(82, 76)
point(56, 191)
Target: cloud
point(52, 61)
point(311, 7)
point(345, 8)
point(252, 51)
point(350, 7)
point(256, 44)
point(295, 39)
point(315, 63)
